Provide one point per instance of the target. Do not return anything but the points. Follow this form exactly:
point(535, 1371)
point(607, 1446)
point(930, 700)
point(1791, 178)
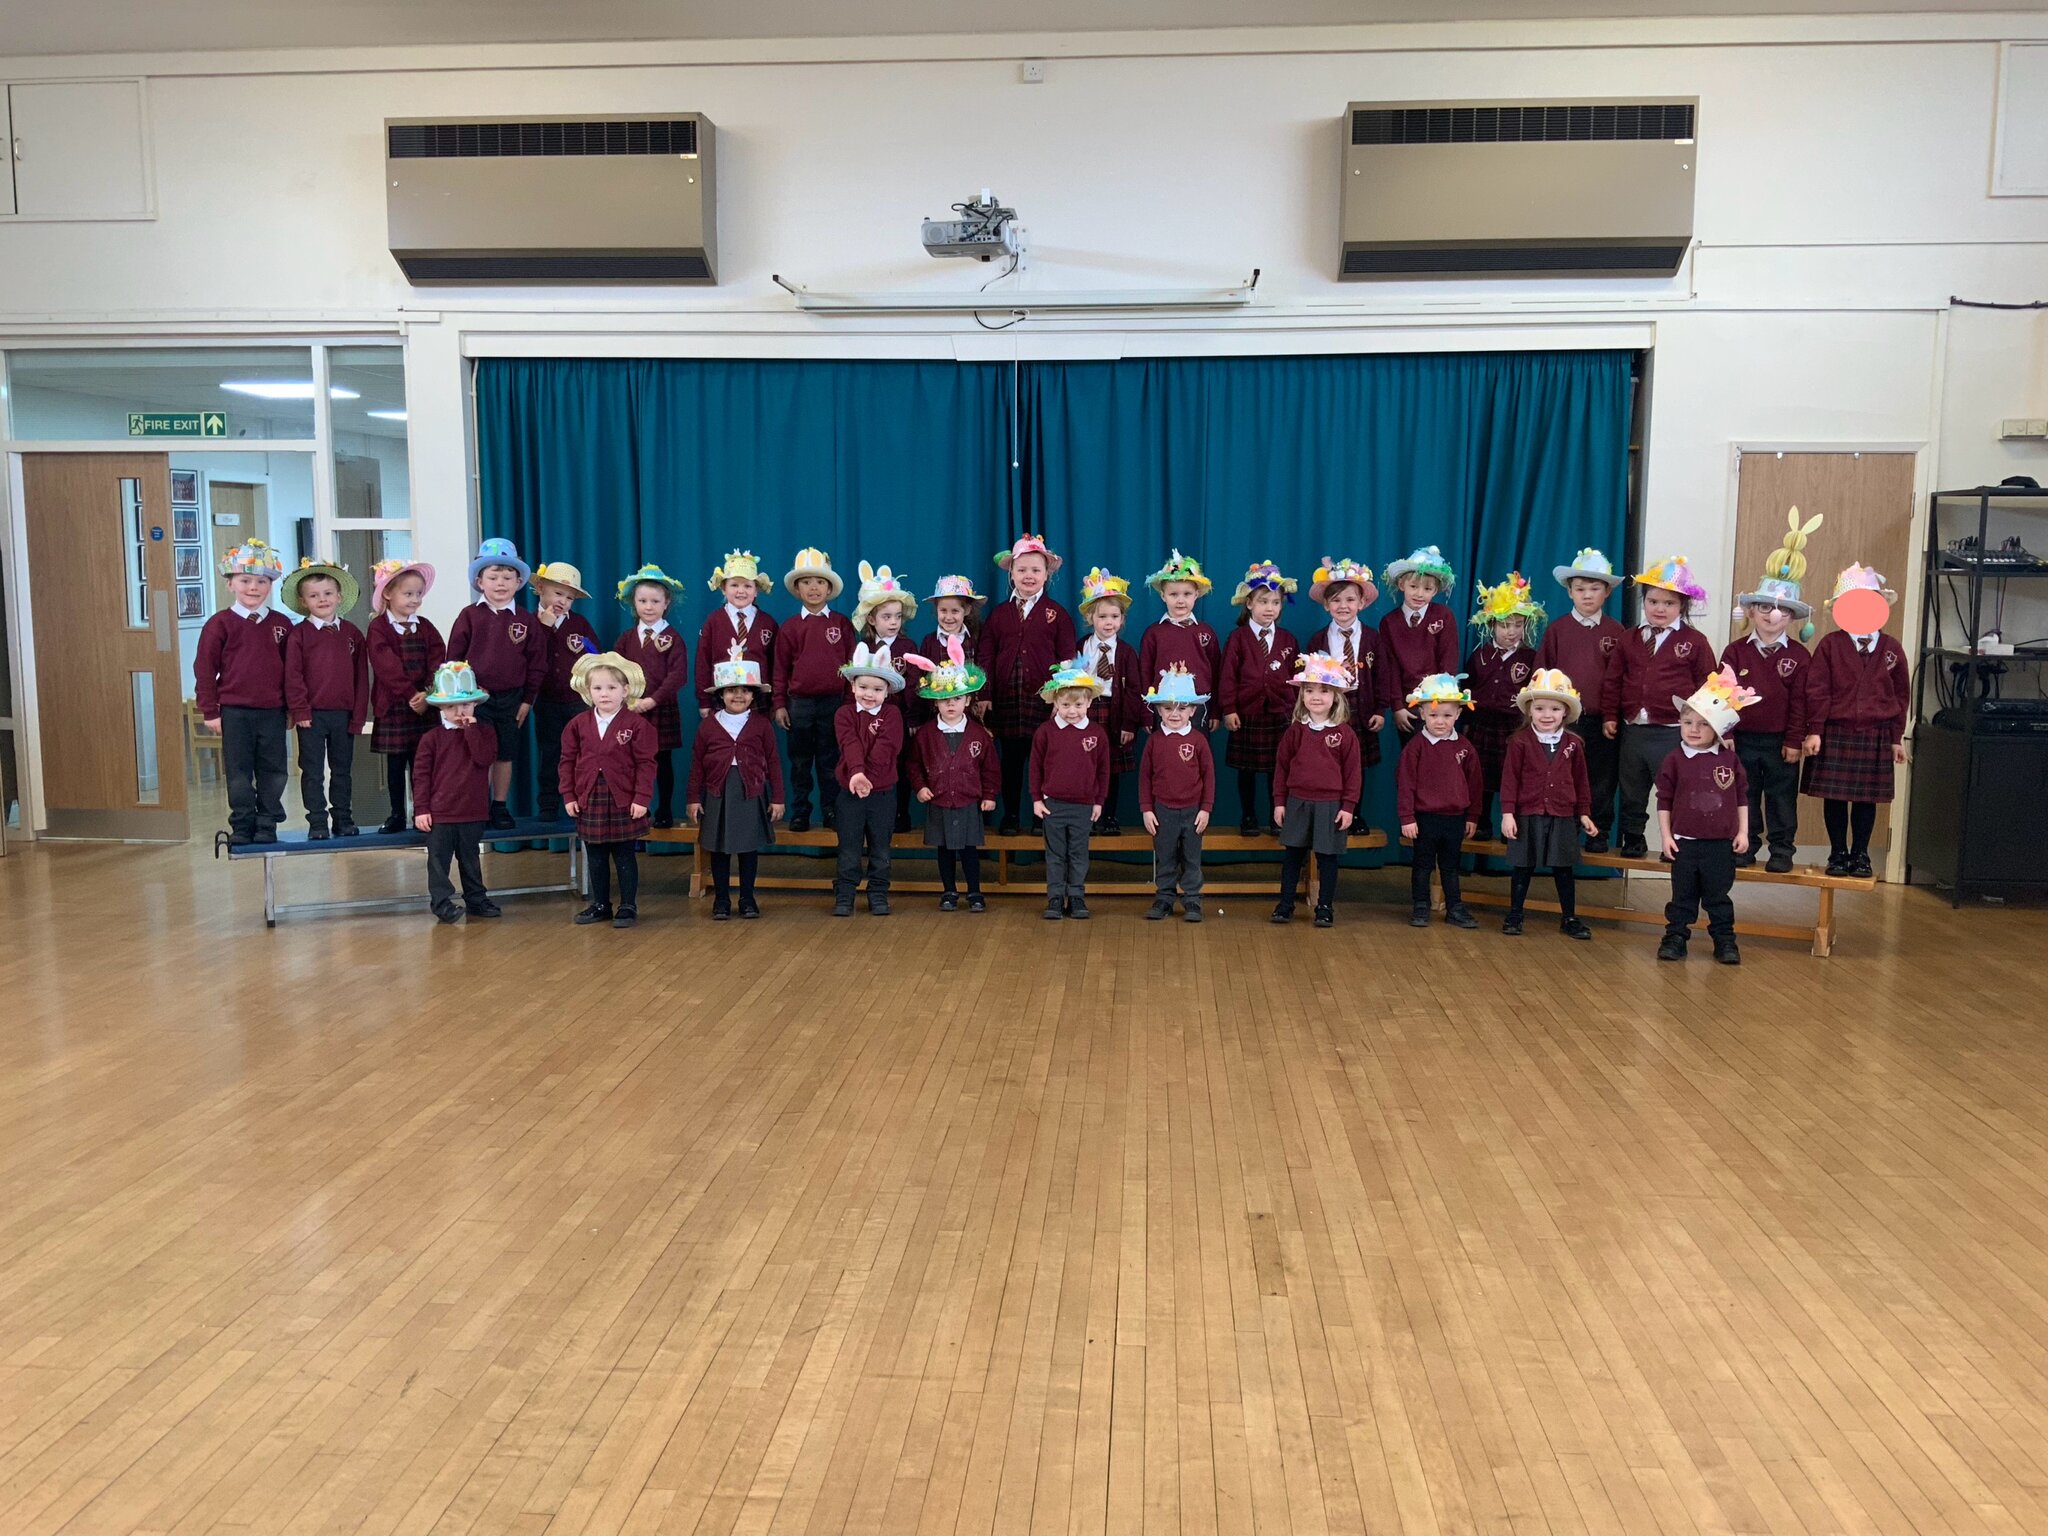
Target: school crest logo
point(1519, 671)
point(1202, 638)
point(832, 634)
point(578, 645)
point(1724, 778)
point(517, 632)
point(1333, 741)
point(1047, 611)
point(974, 749)
point(1682, 650)
point(1273, 665)
point(1891, 661)
point(1787, 665)
point(1436, 626)
point(278, 634)
point(1463, 755)
point(1607, 645)
point(625, 736)
point(1187, 752)
point(664, 641)
point(1090, 742)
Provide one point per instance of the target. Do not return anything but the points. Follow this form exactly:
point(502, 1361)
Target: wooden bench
point(1821, 935)
point(1006, 878)
point(294, 845)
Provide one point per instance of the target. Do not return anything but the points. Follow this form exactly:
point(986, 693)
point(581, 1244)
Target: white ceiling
point(32, 27)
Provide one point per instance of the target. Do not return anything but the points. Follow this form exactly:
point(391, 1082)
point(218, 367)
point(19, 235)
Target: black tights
point(1248, 797)
point(1567, 890)
point(1016, 755)
point(968, 861)
point(1291, 862)
point(1847, 820)
point(602, 857)
point(721, 875)
point(665, 784)
point(397, 769)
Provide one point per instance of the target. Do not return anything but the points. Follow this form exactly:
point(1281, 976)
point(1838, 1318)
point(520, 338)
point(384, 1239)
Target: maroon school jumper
point(1644, 680)
point(1193, 645)
point(1124, 709)
point(240, 662)
point(506, 648)
point(1704, 793)
point(1494, 677)
point(1070, 763)
point(1534, 782)
point(622, 760)
point(451, 772)
point(325, 669)
point(401, 665)
point(1438, 778)
point(1019, 653)
point(1179, 772)
point(1582, 652)
point(959, 780)
point(568, 643)
point(933, 648)
point(666, 662)
point(1864, 693)
point(754, 751)
point(812, 650)
point(714, 645)
point(1256, 683)
point(869, 744)
point(1781, 680)
point(1317, 762)
point(1415, 651)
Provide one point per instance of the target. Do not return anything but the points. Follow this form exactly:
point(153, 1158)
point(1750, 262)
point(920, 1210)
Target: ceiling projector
point(984, 230)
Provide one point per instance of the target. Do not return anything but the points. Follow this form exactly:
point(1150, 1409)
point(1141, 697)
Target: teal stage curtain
point(1507, 460)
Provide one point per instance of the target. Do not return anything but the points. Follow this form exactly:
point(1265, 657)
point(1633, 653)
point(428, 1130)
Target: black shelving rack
point(1979, 818)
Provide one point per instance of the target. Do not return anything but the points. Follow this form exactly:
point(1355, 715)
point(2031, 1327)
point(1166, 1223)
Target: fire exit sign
point(177, 424)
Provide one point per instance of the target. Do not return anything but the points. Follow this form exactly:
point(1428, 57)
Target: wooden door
point(108, 691)
point(1865, 501)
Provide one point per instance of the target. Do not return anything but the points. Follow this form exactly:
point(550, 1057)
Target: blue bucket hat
point(498, 552)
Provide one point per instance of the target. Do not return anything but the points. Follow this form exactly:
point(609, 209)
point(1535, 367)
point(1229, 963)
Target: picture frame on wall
point(191, 600)
point(185, 524)
point(185, 488)
point(189, 562)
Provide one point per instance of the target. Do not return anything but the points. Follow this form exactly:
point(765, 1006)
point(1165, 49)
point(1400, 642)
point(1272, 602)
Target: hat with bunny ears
point(954, 678)
point(867, 663)
point(813, 562)
point(738, 670)
point(1720, 700)
point(879, 586)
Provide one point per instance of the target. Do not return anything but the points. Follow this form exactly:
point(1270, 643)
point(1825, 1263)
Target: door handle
point(160, 603)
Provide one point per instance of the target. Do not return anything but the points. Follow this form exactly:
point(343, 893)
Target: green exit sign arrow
point(177, 424)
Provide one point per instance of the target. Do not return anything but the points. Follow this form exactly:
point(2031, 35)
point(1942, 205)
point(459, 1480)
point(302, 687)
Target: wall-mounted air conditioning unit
point(548, 200)
point(1490, 189)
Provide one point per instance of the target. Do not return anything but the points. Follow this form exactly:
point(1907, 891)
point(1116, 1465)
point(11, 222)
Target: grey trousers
point(1177, 852)
point(1066, 824)
point(1643, 750)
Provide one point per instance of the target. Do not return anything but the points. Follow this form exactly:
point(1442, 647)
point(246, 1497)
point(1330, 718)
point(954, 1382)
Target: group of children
point(1016, 702)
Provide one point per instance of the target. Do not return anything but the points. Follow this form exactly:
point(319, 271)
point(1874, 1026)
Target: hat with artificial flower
point(1440, 688)
point(1719, 700)
point(1180, 567)
point(1263, 576)
point(1512, 599)
point(1335, 573)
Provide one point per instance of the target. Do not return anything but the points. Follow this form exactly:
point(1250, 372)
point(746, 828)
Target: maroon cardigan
point(756, 751)
point(1639, 679)
point(1253, 685)
point(622, 757)
point(390, 684)
point(1534, 782)
point(714, 644)
point(958, 780)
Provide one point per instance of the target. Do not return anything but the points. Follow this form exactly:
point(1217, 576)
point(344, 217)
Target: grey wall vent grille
point(1585, 122)
point(474, 141)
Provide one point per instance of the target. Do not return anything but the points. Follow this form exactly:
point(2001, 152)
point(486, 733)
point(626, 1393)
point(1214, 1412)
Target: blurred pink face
point(250, 591)
point(1661, 608)
point(870, 691)
point(1343, 601)
point(1546, 715)
point(952, 614)
point(1266, 606)
point(1027, 574)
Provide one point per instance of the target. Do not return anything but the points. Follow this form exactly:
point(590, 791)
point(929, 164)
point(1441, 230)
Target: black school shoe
point(976, 902)
point(1745, 861)
point(1726, 953)
point(346, 828)
point(1191, 911)
point(1077, 909)
point(1418, 915)
point(800, 821)
point(1838, 864)
point(1459, 916)
point(316, 832)
point(264, 835)
point(1325, 917)
point(878, 906)
point(1511, 925)
point(1780, 864)
point(1159, 911)
point(1109, 826)
point(1284, 913)
point(241, 839)
point(596, 912)
point(1859, 867)
point(1008, 827)
point(1673, 948)
point(1247, 828)
point(627, 917)
point(1573, 928)
point(500, 819)
point(485, 908)
point(1054, 911)
point(664, 821)
point(393, 823)
point(949, 901)
point(1633, 848)
point(721, 909)
point(749, 909)
point(448, 912)
point(843, 907)
point(1597, 844)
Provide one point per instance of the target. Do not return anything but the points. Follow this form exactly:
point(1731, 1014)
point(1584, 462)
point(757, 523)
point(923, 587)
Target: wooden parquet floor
point(984, 1224)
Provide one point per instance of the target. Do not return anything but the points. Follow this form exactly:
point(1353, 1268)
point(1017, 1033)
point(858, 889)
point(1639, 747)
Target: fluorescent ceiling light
point(386, 415)
point(285, 389)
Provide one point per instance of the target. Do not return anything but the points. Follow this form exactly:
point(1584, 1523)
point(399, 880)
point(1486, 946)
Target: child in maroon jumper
point(1069, 786)
point(570, 638)
point(735, 783)
point(451, 792)
point(657, 648)
point(1316, 777)
point(882, 609)
point(1180, 639)
point(1437, 795)
point(952, 767)
point(238, 681)
point(404, 650)
point(1772, 736)
point(607, 781)
point(1021, 641)
point(326, 691)
point(1255, 686)
point(1420, 638)
point(1856, 732)
point(740, 580)
point(870, 753)
point(508, 652)
point(808, 689)
point(1654, 662)
point(1346, 589)
point(1496, 669)
point(1582, 645)
point(1545, 799)
point(1176, 793)
point(1119, 708)
point(1703, 813)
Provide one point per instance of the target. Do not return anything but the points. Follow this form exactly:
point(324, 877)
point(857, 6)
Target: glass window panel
point(10, 783)
point(370, 478)
point(135, 553)
point(142, 693)
point(70, 395)
point(360, 549)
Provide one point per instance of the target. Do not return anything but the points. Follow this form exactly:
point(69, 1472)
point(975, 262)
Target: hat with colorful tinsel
point(1589, 564)
point(384, 572)
point(1440, 688)
point(879, 586)
point(1180, 567)
point(1719, 700)
point(652, 575)
point(454, 683)
point(1176, 686)
point(1673, 575)
point(1335, 573)
point(959, 588)
point(1100, 586)
point(1323, 669)
point(1072, 674)
point(1551, 683)
point(1426, 561)
point(1512, 599)
point(739, 565)
point(738, 670)
point(1263, 576)
point(954, 678)
point(636, 678)
point(868, 663)
point(253, 558)
point(288, 589)
point(1029, 544)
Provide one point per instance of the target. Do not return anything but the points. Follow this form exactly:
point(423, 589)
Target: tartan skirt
point(668, 726)
point(1122, 759)
point(1489, 731)
point(1368, 744)
point(1017, 714)
point(1254, 744)
point(604, 820)
point(1855, 763)
point(398, 730)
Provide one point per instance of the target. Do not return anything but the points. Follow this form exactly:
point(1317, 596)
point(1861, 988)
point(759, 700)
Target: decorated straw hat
point(288, 589)
point(252, 558)
point(1332, 573)
point(498, 552)
point(1100, 586)
point(1861, 578)
point(954, 678)
point(1784, 569)
point(738, 670)
point(867, 663)
point(636, 680)
point(1673, 575)
point(1590, 564)
point(1321, 667)
point(959, 588)
point(454, 683)
point(1426, 561)
point(562, 574)
point(1512, 599)
point(1029, 544)
point(1719, 700)
point(1176, 686)
point(813, 562)
point(1550, 683)
point(384, 572)
point(1179, 567)
point(742, 565)
point(879, 586)
point(1263, 576)
point(654, 576)
point(1072, 674)
point(1440, 688)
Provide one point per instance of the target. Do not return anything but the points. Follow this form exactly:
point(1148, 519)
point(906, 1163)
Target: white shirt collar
point(1865, 642)
point(1185, 730)
point(1504, 651)
point(1414, 616)
point(1339, 633)
point(448, 722)
point(1070, 725)
point(322, 623)
point(657, 626)
point(957, 728)
point(1433, 739)
point(497, 607)
point(252, 613)
point(604, 721)
point(738, 615)
point(1699, 751)
point(403, 626)
point(884, 647)
point(1766, 646)
point(1592, 623)
point(1313, 724)
point(868, 709)
point(1655, 636)
point(734, 724)
point(1186, 623)
point(1549, 738)
point(1027, 603)
point(1260, 631)
point(816, 613)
